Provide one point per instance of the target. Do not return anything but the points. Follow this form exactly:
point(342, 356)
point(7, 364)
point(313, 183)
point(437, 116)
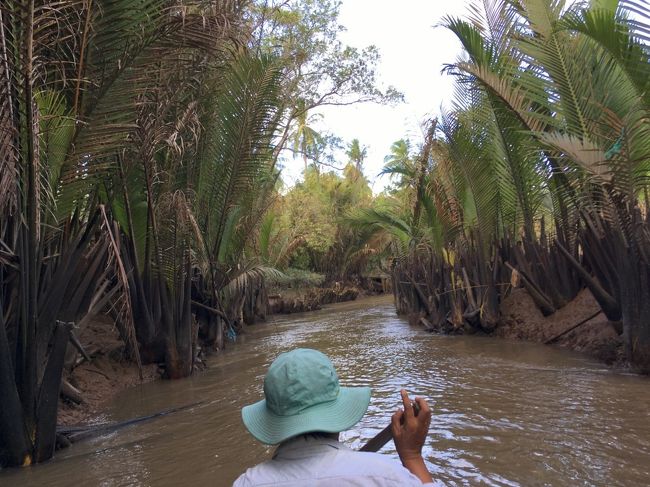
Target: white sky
point(413, 52)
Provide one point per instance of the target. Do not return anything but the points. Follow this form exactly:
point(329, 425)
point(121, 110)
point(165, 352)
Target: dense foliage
point(140, 162)
point(538, 175)
point(138, 151)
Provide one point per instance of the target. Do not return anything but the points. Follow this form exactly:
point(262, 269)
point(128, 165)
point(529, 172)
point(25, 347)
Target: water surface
point(505, 413)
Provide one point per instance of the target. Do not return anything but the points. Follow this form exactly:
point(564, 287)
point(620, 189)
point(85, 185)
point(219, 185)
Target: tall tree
point(321, 70)
point(356, 154)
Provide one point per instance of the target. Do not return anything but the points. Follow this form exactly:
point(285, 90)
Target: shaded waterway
point(505, 413)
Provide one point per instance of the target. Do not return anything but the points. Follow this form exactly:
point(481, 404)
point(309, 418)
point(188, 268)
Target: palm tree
point(399, 163)
point(356, 154)
point(304, 138)
point(98, 123)
point(235, 179)
point(551, 123)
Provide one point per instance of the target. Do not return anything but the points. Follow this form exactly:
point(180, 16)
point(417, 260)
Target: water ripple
point(504, 413)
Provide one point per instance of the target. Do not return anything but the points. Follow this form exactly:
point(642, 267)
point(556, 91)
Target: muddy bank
point(295, 301)
point(598, 337)
point(108, 373)
point(521, 319)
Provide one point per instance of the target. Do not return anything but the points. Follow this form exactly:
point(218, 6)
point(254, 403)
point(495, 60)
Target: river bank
point(595, 335)
point(292, 301)
point(98, 382)
point(108, 374)
point(579, 326)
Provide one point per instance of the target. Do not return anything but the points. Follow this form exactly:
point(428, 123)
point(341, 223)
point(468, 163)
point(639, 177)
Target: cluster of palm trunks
point(463, 287)
point(539, 175)
point(136, 159)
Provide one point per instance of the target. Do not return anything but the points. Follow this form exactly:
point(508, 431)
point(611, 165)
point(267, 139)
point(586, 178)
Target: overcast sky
point(413, 52)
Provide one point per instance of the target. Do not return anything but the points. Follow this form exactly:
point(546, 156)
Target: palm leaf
point(238, 141)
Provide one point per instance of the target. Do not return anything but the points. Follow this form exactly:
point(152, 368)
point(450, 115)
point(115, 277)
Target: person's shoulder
point(251, 477)
point(345, 465)
point(242, 481)
point(376, 464)
point(374, 458)
point(264, 473)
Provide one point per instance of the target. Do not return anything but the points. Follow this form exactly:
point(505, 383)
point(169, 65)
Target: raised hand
point(410, 433)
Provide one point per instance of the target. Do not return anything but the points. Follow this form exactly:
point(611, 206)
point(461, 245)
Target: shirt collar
point(306, 446)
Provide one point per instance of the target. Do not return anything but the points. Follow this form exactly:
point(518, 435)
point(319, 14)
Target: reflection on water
point(505, 413)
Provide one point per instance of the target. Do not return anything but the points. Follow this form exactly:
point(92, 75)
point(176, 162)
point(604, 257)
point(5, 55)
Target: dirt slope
point(521, 319)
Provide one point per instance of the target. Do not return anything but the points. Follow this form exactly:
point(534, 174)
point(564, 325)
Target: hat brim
point(329, 417)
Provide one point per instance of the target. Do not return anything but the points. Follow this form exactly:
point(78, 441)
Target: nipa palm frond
point(238, 140)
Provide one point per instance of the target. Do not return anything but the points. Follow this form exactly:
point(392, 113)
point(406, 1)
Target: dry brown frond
point(121, 301)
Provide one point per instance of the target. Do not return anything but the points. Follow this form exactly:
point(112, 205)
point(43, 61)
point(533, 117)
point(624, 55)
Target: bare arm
point(410, 433)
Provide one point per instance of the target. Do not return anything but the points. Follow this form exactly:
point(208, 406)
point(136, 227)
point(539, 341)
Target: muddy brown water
point(505, 413)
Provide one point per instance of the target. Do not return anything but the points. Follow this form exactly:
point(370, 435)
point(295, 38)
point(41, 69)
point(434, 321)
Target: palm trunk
point(15, 446)
point(28, 388)
point(48, 398)
point(146, 329)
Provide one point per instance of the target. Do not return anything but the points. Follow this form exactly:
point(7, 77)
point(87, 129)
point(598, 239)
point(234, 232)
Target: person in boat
point(305, 409)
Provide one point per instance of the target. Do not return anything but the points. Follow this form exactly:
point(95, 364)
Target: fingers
point(396, 421)
point(424, 417)
point(424, 406)
point(408, 407)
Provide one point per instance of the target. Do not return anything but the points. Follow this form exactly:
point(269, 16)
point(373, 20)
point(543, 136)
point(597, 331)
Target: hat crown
point(298, 380)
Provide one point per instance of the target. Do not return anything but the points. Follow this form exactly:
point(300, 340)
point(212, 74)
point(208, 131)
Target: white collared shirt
point(315, 461)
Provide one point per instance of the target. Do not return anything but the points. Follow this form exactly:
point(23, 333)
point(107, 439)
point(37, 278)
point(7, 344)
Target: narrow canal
point(505, 413)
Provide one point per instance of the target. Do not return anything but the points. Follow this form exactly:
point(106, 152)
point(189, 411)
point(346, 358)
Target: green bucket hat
point(302, 395)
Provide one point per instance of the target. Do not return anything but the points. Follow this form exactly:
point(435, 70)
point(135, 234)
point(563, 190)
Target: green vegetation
point(139, 143)
point(315, 212)
point(140, 161)
point(539, 174)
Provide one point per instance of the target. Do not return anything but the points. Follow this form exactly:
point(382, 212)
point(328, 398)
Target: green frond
point(238, 147)
point(265, 236)
point(249, 275)
point(384, 220)
point(613, 35)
